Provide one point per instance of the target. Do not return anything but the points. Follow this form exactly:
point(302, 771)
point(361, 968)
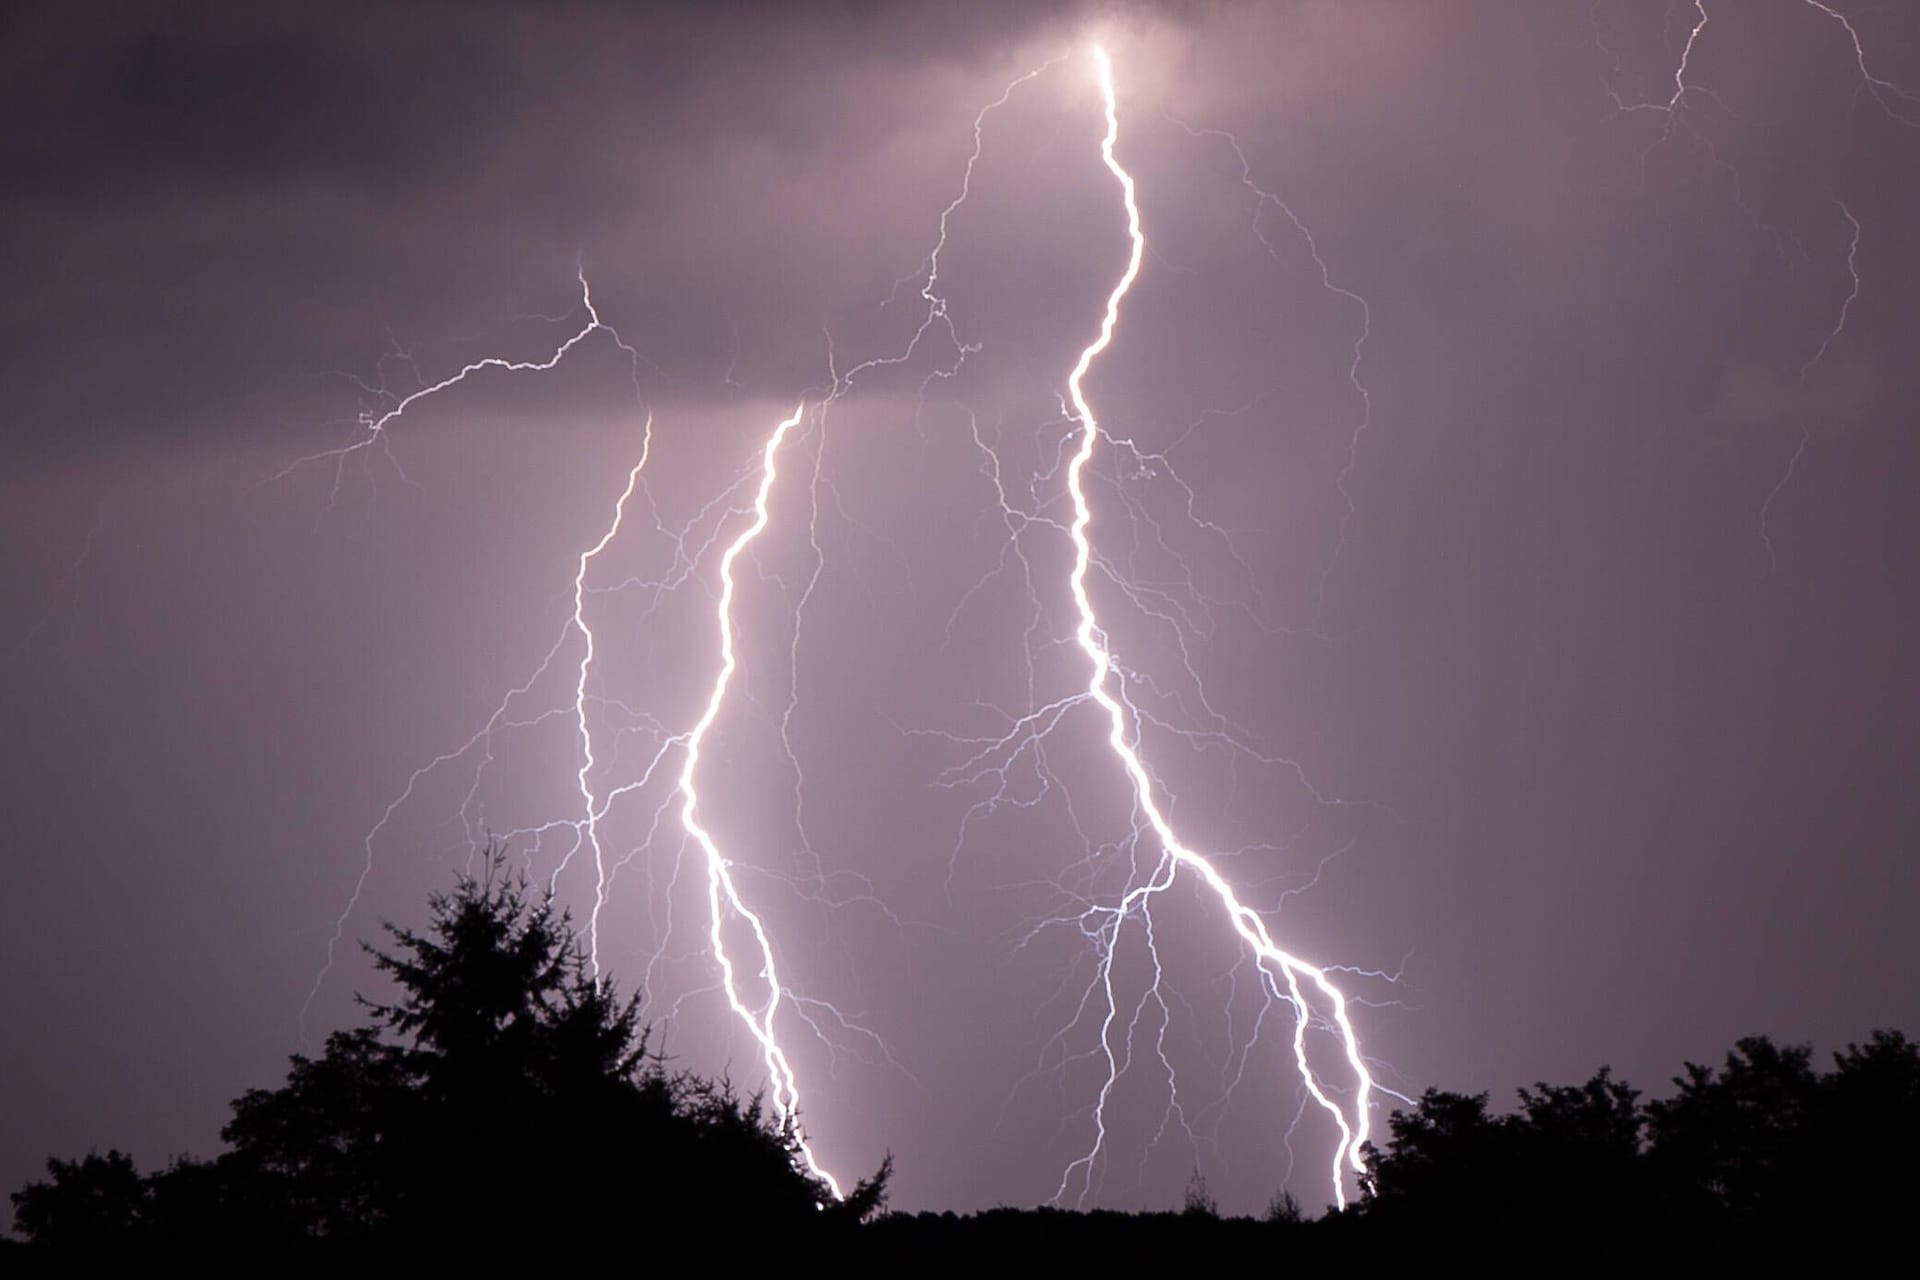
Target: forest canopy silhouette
point(505, 1090)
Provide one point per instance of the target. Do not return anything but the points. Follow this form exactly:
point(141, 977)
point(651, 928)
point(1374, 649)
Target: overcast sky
point(1555, 659)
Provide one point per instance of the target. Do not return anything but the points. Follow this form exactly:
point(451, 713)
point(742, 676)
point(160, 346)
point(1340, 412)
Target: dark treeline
point(1765, 1152)
point(506, 1102)
point(504, 1094)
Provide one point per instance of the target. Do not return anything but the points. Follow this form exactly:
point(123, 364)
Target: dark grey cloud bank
point(1624, 784)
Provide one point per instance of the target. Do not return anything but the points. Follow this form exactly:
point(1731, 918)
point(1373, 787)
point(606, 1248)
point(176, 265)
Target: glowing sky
point(1555, 656)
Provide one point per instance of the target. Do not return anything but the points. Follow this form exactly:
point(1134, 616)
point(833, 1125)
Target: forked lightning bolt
point(724, 898)
point(1307, 988)
point(1276, 964)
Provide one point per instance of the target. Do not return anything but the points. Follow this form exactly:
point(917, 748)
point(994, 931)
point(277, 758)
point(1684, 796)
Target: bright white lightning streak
point(1246, 922)
point(720, 885)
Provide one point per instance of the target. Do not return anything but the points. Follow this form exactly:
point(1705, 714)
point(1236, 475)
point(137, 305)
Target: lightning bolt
point(1277, 966)
point(738, 939)
point(723, 895)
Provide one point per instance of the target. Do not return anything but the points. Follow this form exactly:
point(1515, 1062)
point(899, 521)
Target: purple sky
point(1567, 674)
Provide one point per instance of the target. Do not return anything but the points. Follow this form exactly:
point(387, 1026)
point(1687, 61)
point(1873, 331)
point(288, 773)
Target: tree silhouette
point(1765, 1134)
point(1284, 1208)
point(314, 1158)
point(1199, 1202)
point(1870, 1129)
point(1570, 1154)
point(504, 1095)
point(501, 1073)
point(1445, 1158)
point(1729, 1140)
point(1578, 1149)
point(1762, 1148)
point(96, 1203)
